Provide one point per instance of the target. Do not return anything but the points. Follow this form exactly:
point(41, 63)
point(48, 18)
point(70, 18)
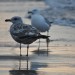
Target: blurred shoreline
point(18, 0)
point(61, 59)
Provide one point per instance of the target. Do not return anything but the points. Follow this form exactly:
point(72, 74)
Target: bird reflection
point(22, 72)
point(19, 71)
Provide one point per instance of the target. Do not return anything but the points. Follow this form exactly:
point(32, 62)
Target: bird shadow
point(10, 57)
point(40, 52)
point(36, 65)
point(23, 72)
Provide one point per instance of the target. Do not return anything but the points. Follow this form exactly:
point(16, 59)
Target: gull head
point(34, 11)
point(15, 20)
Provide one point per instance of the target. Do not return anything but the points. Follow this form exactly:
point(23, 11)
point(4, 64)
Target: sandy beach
point(61, 58)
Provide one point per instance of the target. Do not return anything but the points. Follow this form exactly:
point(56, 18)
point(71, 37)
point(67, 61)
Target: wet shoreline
point(61, 59)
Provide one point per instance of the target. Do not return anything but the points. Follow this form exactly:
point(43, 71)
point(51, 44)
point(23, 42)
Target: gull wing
point(23, 30)
point(48, 22)
point(44, 16)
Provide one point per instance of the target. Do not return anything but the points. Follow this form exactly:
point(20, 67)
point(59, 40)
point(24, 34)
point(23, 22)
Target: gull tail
point(43, 36)
point(37, 37)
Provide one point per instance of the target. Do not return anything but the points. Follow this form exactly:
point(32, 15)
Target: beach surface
point(61, 57)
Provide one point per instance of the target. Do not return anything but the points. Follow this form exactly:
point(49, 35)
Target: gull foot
point(20, 55)
point(26, 55)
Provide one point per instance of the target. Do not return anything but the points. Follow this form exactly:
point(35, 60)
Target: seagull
point(39, 21)
point(23, 33)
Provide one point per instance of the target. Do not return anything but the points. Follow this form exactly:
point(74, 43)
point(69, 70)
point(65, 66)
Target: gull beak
point(7, 20)
point(29, 12)
point(51, 22)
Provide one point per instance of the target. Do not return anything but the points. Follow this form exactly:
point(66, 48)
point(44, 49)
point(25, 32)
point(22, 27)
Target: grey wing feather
point(48, 22)
point(44, 15)
point(17, 30)
point(24, 30)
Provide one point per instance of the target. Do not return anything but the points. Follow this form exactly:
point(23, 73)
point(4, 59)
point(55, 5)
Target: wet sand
point(61, 58)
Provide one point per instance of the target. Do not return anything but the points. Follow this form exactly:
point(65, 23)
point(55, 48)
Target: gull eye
point(34, 10)
point(15, 18)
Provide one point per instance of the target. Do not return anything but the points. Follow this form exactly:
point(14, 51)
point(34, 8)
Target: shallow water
point(61, 59)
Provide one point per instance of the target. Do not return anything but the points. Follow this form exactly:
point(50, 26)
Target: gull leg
point(39, 47)
point(27, 49)
point(20, 63)
point(48, 33)
point(20, 50)
point(47, 41)
point(20, 58)
point(47, 45)
point(27, 56)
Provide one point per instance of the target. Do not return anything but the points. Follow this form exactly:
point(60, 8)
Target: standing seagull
point(38, 21)
point(23, 33)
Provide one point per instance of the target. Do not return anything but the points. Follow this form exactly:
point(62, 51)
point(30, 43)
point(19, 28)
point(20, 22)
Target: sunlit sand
point(61, 59)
